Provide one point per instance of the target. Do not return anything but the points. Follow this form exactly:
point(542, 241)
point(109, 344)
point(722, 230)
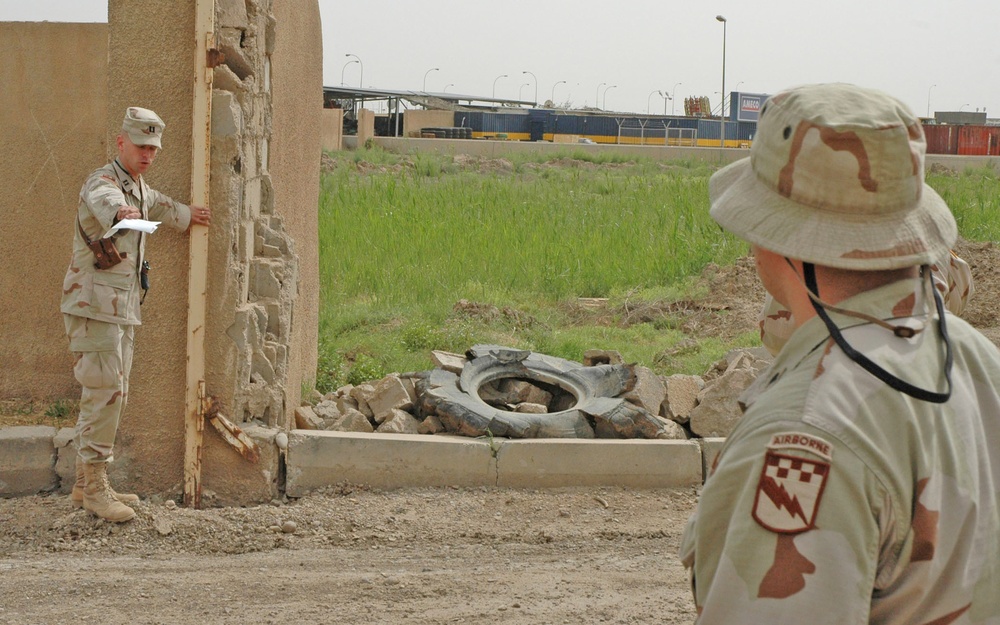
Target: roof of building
point(429, 99)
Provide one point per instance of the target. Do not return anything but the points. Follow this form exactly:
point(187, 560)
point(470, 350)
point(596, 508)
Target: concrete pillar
point(332, 129)
point(366, 126)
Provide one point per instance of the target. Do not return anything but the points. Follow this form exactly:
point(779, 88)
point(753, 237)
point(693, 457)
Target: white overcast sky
point(936, 55)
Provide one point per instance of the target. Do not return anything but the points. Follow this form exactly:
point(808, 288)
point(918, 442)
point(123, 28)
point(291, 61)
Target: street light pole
point(722, 110)
point(495, 84)
point(536, 85)
point(552, 98)
point(451, 84)
point(597, 99)
point(361, 79)
point(521, 89)
point(673, 92)
point(650, 97)
point(433, 69)
point(929, 100)
point(605, 102)
point(342, 71)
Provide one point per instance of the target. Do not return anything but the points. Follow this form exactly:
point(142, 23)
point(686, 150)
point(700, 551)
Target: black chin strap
point(809, 271)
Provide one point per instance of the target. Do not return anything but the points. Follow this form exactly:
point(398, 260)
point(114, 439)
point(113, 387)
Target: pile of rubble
point(498, 391)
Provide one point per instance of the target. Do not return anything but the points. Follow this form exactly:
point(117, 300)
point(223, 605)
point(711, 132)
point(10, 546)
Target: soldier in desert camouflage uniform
point(861, 485)
point(101, 306)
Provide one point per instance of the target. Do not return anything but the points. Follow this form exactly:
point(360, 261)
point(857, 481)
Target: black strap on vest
point(809, 271)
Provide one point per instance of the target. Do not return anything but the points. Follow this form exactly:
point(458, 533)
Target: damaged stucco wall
point(70, 87)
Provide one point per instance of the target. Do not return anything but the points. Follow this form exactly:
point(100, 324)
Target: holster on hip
point(106, 255)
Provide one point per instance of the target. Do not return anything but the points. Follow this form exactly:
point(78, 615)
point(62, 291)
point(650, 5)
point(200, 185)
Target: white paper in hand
point(133, 224)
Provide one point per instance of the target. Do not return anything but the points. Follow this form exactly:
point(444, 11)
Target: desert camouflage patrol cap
point(143, 126)
point(835, 177)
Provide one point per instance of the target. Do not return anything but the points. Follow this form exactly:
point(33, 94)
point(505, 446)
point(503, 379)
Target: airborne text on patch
point(804, 442)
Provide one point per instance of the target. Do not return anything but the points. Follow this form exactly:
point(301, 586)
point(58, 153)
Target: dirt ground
point(354, 555)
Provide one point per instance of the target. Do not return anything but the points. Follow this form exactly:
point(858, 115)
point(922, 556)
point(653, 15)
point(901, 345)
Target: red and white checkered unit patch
point(789, 492)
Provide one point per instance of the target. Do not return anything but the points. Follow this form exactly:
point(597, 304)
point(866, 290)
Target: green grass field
point(404, 239)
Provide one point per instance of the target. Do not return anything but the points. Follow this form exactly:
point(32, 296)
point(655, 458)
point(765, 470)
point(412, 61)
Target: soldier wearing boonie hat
point(101, 299)
point(860, 484)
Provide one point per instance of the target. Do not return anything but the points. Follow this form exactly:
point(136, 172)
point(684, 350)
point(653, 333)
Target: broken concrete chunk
point(327, 410)
point(306, 419)
point(682, 396)
point(531, 408)
point(353, 421)
point(389, 394)
point(718, 410)
point(448, 361)
point(363, 393)
point(648, 392)
point(400, 422)
point(430, 425)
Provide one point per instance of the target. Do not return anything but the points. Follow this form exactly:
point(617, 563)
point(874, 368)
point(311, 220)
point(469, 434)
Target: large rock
point(718, 410)
point(682, 396)
point(307, 419)
point(389, 394)
point(648, 392)
point(353, 421)
point(399, 422)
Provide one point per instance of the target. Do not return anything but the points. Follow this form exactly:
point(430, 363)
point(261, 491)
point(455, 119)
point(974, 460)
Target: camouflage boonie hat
point(835, 177)
point(143, 126)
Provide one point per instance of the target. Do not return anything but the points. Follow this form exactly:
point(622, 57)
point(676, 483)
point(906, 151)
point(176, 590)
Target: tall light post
point(361, 79)
point(673, 92)
point(451, 84)
point(521, 89)
point(650, 97)
point(962, 107)
point(552, 98)
point(597, 99)
point(722, 111)
point(433, 69)
point(605, 102)
point(495, 84)
point(536, 85)
point(342, 71)
point(929, 100)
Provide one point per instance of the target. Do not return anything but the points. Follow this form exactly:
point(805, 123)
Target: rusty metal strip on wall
point(194, 422)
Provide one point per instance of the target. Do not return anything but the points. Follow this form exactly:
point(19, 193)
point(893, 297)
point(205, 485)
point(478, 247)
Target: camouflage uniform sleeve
point(787, 525)
point(103, 197)
point(168, 211)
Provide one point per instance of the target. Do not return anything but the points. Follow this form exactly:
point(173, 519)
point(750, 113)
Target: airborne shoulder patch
point(791, 486)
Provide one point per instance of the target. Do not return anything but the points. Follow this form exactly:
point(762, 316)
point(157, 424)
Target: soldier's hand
point(127, 212)
point(201, 215)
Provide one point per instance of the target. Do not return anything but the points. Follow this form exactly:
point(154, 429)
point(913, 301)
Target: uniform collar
point(130, 185)
point(904, 298)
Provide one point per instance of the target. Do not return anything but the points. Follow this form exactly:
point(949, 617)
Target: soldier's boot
point(98, 498)
point(77, 495)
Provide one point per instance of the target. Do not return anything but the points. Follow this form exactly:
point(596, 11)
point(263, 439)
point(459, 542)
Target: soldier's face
point(135, 158)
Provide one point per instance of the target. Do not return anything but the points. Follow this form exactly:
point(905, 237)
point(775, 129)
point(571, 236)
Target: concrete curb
point(39, 459)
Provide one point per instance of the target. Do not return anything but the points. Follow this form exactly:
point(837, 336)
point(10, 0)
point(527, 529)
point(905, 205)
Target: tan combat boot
point(77, 495)
point(98, 498)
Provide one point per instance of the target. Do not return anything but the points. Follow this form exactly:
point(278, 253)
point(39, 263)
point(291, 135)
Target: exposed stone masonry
point(263, 266)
